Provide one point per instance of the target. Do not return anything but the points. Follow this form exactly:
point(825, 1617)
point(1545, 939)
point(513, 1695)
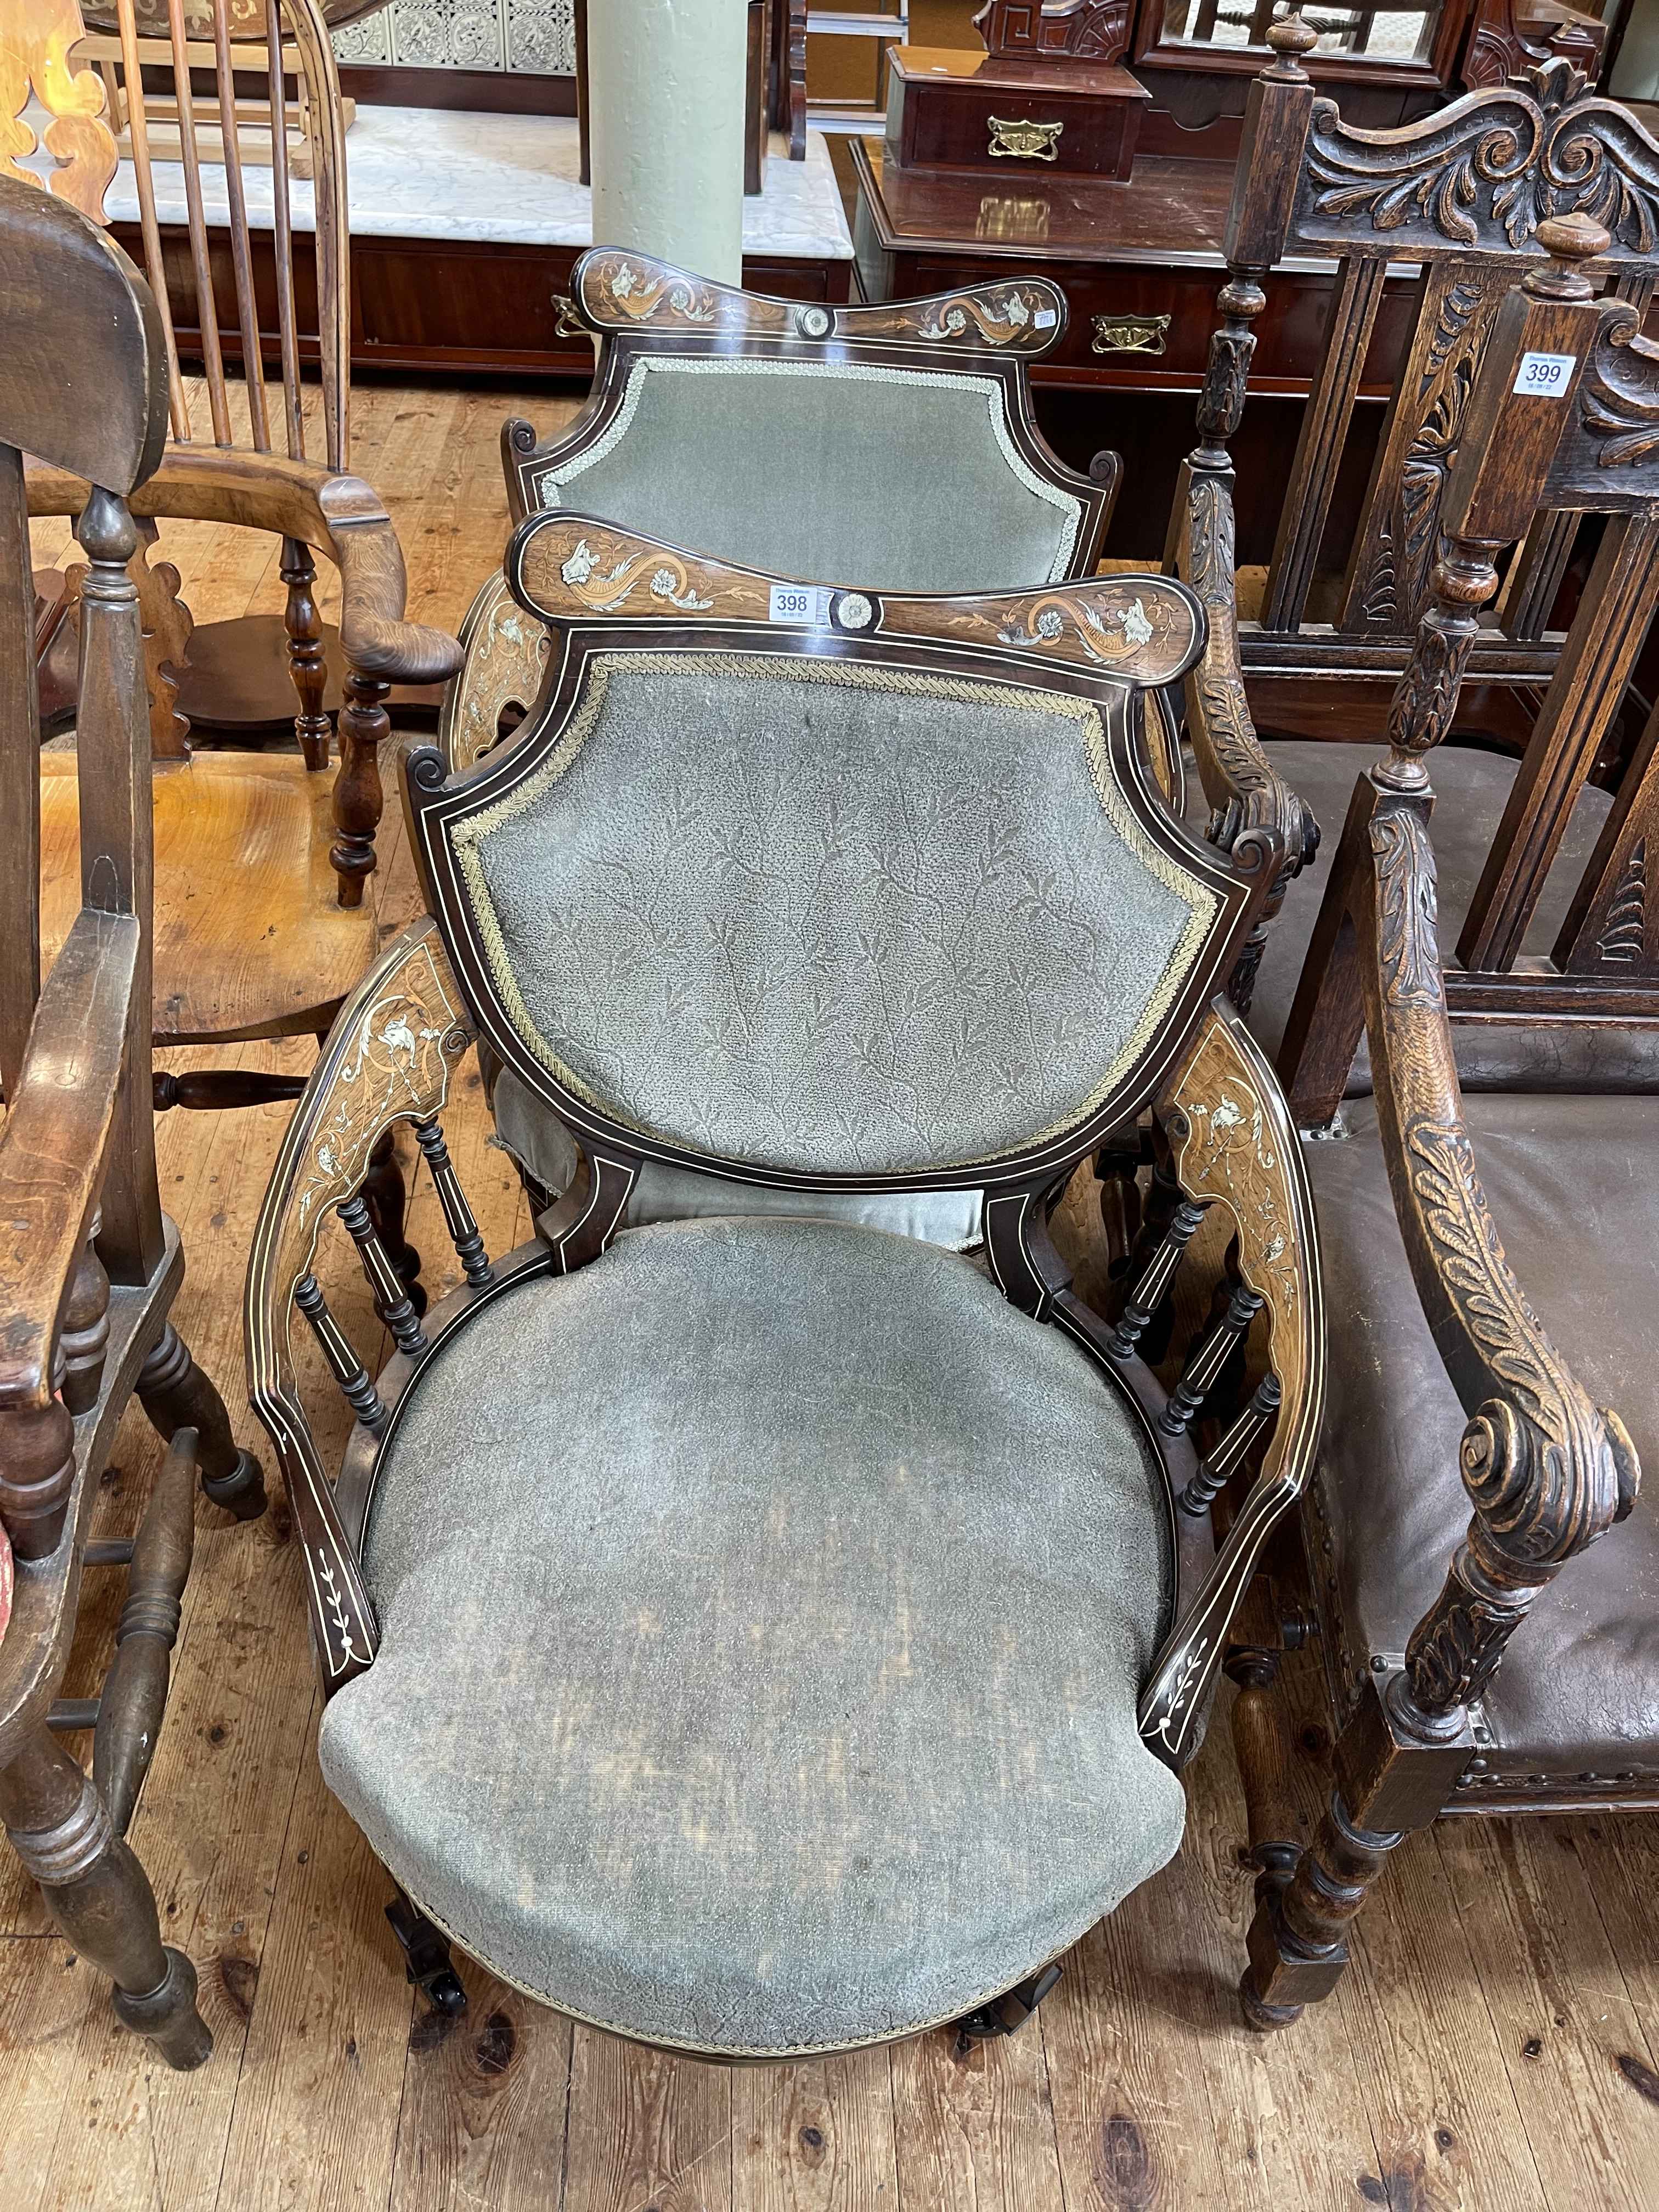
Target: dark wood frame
point(1546, 1472)
point(436, 983)
point(1438, 74)
point(89, 1265)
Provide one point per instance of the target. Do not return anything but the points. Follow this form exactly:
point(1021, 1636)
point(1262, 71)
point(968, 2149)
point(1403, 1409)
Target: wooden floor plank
point(646, 2130)
point(814, 2138)
point(484, 2097)
point(975, 2124)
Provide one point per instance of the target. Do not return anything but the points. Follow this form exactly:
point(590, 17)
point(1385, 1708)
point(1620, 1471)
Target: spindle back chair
point(1462, 193)
point(270, 946)
point(837, 818)
point(89, 1264)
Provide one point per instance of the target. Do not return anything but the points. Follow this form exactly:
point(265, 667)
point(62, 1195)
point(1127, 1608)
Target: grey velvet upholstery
point(543, 1147)
point(901, 480)
point(830, 917)
point(1471, 790)
point(760, 1664)
point(1574, 1188)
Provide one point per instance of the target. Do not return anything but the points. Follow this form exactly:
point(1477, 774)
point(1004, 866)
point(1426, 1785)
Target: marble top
point(502, 180)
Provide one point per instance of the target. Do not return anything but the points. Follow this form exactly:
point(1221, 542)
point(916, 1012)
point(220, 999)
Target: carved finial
point(1571, 241)
point(1290, 38)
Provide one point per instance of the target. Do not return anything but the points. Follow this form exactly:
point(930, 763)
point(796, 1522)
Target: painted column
point(667, 85)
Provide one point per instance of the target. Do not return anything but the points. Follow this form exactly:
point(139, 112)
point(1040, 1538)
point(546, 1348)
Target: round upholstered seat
point(764, 1612)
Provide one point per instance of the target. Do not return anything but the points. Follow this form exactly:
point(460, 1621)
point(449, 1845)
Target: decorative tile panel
point(536, 36)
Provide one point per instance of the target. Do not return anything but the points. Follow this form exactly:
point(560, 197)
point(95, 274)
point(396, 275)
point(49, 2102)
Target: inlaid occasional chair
point(915, 462)
point(1471, 1463)
point(755, 1634)
point(89, 1264)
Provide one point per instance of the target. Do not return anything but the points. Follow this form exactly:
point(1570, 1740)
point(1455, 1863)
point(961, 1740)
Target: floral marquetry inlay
point(389, 1059)
point(507, 654)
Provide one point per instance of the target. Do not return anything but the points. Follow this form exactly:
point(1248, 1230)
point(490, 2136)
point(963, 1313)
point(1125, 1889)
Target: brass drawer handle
point(566, 324)
point(1131, 333)
point(1024, 139)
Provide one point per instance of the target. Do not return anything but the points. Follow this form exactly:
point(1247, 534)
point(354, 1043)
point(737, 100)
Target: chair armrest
point(1246, 792)
point(51, 1148)
point(1546, 1472)
point(1233, 1145)
point(388, 1058)
point(341, 516)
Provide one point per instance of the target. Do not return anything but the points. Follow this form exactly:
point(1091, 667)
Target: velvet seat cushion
point(764, 1609)
point(1574, 1189)
point(1472, 789)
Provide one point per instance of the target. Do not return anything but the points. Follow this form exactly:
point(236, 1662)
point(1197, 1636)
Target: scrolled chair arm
point(1249, 798)
point(389, 1058)
point(52, 1166)
point(340, 516)
point(1233, 1145)
point(1546, 1472)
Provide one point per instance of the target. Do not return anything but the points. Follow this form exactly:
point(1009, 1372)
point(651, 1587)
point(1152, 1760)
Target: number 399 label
point(1546, 375)
point(799, 602)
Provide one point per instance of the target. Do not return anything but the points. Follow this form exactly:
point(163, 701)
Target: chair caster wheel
point(1009, 2011)
point(426, 1962)
point(445, 1994)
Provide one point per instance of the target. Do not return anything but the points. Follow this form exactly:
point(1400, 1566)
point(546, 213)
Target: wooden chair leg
point(176, 1395)
point(100, 1896)
point(307, 661)
point(358, 798)
point(135, 1693)
point(1262, 1746)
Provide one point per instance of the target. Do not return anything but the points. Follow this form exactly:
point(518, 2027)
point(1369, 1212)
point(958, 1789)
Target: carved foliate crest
point(1485, 172)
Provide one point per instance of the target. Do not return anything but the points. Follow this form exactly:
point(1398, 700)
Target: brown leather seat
point(1572, 1187)
point(1471, 788)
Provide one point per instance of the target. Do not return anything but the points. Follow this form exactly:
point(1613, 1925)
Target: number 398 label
point(799, 602)
point(1546, 375)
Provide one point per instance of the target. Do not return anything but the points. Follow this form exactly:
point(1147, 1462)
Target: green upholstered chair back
point(787, 900)
point(892, 447)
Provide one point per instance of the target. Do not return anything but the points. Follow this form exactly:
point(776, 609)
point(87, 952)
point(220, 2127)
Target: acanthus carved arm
point(1546, 1471)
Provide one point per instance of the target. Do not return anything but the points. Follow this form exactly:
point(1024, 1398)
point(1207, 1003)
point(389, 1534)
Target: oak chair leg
point(358, 798)
point(1262, 1746)
point(135, 1694)
point(101, 1898)
point(307, 661)
point(176, 1395)
point(1298, 1939)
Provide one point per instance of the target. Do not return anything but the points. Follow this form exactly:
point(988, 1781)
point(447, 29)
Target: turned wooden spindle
point(349, 1371)
point(358, 799)
point(1153, 1285)
point(392, 1298)
point(135, 1693)
point(83, 1340)
point(307, 661)
point(37, 1472)
point(458, 1214)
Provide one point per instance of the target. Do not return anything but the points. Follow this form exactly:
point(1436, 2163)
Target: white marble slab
point(500, 179)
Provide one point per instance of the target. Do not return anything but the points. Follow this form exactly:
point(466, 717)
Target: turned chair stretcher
point(392, 1056)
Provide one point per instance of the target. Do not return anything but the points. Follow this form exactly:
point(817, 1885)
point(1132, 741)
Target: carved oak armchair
point(89, 1264)
point(766, 1634)
point(1324, 631)
point(1471, 1462)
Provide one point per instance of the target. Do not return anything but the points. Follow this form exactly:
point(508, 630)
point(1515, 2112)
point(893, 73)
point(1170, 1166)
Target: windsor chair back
point(857, 837)
point(89, 1264)
point(261, 923)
